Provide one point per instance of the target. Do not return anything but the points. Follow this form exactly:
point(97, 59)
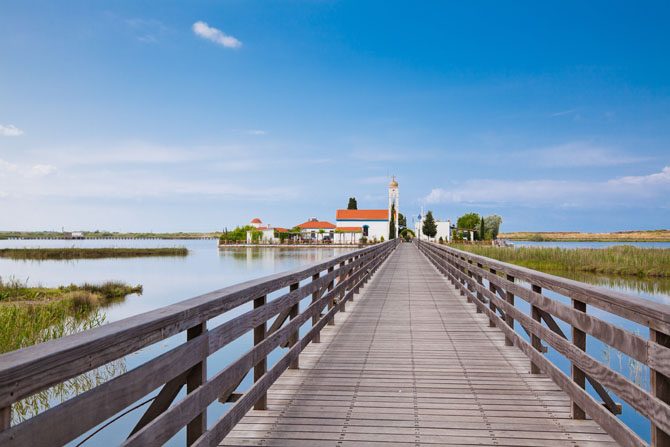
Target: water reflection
point(656, 289)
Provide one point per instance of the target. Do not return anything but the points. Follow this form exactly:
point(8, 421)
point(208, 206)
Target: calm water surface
point(167, 280)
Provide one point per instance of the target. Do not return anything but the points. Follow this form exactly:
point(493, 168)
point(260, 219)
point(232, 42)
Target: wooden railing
point(491, 285)
point(27, 371)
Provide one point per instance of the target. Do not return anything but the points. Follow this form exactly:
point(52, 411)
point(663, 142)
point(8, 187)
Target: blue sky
point(192, 116)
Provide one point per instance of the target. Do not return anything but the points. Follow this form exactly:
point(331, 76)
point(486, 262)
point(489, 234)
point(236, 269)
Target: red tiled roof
point(349, 229)
point(281, 230)
point(316, 225)
point(362, 214)
point(256, 220)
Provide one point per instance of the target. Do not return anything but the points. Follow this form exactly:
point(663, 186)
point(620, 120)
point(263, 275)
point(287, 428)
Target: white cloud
point(564, 112)
point(217, 36)
point(26, 171)
point(256, 132)
point(10, 130)
point(629, 190)
point(578, 154)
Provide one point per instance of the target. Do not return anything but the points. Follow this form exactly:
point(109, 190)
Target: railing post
point(535, 341)
point(261, 367)
point(509, 296)
point(492, 306)
point(341, 295)
point(315, 319)
point(660, 388)
point(195, 379)
point(294, 337)
point(331, 285)
point(5, 418)
point(579, 340)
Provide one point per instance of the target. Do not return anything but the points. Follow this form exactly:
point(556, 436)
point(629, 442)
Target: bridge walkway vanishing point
point(411, 363)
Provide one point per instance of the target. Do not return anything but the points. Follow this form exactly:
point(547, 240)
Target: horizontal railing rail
point(496, 299)
point(30, 370)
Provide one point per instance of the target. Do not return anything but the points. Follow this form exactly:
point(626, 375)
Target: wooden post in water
point(294, 337)
point(660, 388)
point(195, 379)
point(579, 340)
point(261, 367)
point(509, 297)
point(535, 341)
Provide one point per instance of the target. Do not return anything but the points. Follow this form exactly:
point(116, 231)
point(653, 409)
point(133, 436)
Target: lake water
point(167, 280)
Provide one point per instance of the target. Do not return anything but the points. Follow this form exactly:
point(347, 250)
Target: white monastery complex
point(350, 225)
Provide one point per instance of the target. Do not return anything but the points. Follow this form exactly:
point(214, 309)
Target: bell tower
point(393, 198)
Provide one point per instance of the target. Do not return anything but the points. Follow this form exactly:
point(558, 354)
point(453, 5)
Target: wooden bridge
point(430, 349)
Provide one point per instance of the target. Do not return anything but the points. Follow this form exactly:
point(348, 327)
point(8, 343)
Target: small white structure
point(316, 230)
point(268, 233)
point(347, 235)
point(444, 230)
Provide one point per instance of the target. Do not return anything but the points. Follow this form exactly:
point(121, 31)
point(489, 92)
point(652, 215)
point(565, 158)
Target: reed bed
point(31, 315)
point(619, 236)
point(622, 260)
point(44, 254)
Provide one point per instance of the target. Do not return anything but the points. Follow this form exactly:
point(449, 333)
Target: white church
point(350, 225)
point(371, 224)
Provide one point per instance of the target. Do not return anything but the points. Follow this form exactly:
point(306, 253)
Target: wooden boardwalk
point(411, 363)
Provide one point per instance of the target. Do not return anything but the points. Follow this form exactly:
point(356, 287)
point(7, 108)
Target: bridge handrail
point(495, 298)
point(27, 371)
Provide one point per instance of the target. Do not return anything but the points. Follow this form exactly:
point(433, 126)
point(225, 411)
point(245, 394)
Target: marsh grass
point(31, 315)
point(625, 260)
point(45, 254)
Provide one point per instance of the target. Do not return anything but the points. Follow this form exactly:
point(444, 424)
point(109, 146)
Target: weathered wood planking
point(459, 268)
point(411, 363)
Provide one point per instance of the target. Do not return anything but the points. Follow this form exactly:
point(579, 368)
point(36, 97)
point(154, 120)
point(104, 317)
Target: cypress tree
point(481, 229)
point(352, 204)
point(392, 222)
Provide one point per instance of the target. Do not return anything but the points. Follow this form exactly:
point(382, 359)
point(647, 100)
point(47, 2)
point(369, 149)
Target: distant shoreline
point(574, 236)
point(54, 235)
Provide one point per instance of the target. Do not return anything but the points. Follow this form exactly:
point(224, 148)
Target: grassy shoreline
point(567, 236)
point(31, 315)
point(624, 260)
point(88, 253)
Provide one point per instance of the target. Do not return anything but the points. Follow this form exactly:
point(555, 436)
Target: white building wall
point(376, 228)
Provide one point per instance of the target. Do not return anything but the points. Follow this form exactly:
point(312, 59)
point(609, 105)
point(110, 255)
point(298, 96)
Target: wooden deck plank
point(411, 363)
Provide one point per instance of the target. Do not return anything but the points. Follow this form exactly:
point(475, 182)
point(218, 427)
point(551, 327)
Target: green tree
point(429, 226)
point(470, 221)
point(480, 236)
point(352, 204)
point(407, 233)
point(492, 225)
point(392, 222)
point(402, 221)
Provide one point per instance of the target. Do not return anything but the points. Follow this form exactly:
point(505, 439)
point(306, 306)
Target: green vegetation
point(429, 227)
point(238, 234)
point(352, 205)
point(486, 228)
point(618, 260)
point(30, 315)
point(619, 236)
point(44, 254)
point(402, 221)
